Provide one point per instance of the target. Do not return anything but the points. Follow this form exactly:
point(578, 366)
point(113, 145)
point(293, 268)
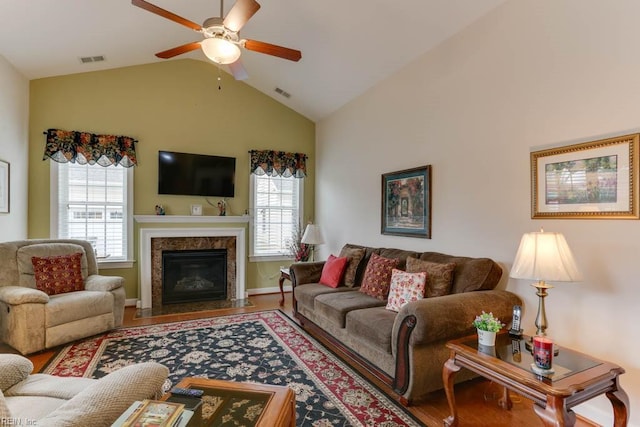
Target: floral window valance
point(274, 163)
point(83, 147)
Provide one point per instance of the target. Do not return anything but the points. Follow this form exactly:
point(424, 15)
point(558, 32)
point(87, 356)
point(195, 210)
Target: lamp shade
point(312, 235)
point(220, 51)
point(545, 256)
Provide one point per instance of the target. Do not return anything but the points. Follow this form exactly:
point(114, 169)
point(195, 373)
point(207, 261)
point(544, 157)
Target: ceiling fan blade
point(170, 53)
point(240, 13)
point(238, 71)
point(166, 14)
point(272, 49)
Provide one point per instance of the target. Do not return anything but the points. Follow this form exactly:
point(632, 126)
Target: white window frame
point(53, 216)
point(253, 257)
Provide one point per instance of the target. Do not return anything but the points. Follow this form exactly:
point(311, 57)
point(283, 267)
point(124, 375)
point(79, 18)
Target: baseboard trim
point(270, 290)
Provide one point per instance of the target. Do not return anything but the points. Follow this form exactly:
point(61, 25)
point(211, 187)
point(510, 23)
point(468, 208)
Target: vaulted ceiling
point(347, 46)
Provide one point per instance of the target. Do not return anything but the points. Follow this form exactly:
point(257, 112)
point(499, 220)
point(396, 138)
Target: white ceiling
point(347, 46)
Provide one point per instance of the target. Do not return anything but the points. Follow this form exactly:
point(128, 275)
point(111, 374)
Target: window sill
point(107, 265)
point(268, 258)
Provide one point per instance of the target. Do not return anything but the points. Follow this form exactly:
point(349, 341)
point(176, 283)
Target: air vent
point(88, 59)
point(283, 93)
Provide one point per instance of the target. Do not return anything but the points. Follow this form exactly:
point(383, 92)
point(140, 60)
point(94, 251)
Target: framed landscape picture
point(406, 202)
point(597, 179)
point(4, 187)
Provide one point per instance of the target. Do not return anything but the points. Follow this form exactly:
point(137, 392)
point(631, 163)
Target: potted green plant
point(487, 326)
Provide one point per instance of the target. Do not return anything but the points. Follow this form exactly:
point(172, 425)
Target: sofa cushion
point(25, 253)
point(58, 274)
point(354, 255)
point(377, 276)
point(306, 294)
point(471, 274)
point(333, 270)
point(405, 287)
point(335, 306)
point(374, 326)
point(4, 410)
point(65, 308)
point(439, 276)
point(49, 385)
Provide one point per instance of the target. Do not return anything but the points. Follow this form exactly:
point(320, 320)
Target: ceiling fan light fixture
point(220, 51)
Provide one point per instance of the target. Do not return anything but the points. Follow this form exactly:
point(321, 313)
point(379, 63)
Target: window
point(94, 203)
point(276, 206)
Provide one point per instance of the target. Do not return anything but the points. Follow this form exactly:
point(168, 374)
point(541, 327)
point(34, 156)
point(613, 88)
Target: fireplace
point(194, 275)
point(155, 240)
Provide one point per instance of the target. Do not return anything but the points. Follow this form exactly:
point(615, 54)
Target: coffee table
point(259, 405)
point(577, 378)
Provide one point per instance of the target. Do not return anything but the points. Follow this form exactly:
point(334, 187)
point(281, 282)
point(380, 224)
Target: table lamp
point(312, 236)
point(544, 256)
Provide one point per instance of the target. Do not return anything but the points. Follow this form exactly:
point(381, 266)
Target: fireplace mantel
point(194, 219)
point(148, 233)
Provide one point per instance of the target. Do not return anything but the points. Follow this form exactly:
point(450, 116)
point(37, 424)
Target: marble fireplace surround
point(189, 238)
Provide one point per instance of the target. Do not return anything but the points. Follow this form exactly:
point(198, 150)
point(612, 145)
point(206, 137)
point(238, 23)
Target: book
point(153, 413)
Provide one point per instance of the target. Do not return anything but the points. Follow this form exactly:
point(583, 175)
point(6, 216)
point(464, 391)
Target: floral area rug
point(263, 347)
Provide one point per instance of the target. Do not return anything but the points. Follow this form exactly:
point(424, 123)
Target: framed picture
point(4, 187)
point(196, 210)
point(406, 202)
point(597, 179)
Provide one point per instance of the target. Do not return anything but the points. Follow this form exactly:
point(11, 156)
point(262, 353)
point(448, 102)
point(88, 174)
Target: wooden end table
point(577, 378)
point(276, 404)
point(284, 275)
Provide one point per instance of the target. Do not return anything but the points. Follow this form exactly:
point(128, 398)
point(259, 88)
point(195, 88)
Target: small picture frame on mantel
point(196, 210)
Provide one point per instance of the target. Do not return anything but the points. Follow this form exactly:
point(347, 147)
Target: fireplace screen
point(194, 275)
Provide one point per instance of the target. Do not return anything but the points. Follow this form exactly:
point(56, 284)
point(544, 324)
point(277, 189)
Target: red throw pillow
point(58, 274)
point(377, 276)
point(333, 270)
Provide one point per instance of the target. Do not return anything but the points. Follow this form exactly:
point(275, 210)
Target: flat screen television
point(195, 174)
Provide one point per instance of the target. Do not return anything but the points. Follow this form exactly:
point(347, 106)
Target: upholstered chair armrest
point(13, 369)
point(305, 272)
point(104, 401)
point(451, 316)
point(96, 282)
point(16, 295)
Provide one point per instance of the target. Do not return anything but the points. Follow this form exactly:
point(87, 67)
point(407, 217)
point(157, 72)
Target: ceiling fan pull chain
point(219, 78)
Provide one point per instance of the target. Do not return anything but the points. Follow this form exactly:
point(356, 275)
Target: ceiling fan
point(222, 42)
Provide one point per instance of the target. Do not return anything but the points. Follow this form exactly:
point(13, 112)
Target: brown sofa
point(406, 350)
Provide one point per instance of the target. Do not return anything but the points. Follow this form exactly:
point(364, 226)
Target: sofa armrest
point(16, 295)
point(13, 369)
point(451, 316)
point(305, 272)
point(105, 400)
point(96, 282)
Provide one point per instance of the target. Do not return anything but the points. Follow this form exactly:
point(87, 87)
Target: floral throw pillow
point(440, 276)
point(58, 274)
point(405, 287)
point(377, 276)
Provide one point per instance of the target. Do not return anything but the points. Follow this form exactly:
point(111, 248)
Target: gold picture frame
point(591, 180)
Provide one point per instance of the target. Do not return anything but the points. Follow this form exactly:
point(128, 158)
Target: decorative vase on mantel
point(486, 338)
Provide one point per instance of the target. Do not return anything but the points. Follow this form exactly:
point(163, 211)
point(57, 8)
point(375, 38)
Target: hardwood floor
point(477, 400)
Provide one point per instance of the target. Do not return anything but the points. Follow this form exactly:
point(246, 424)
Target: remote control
point(192, 392)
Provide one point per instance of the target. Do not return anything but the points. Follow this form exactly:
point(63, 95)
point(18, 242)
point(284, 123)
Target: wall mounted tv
point(195, 174)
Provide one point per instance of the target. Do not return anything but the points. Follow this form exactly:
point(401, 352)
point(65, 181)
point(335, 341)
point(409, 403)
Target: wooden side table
point(284, 275)
point(577, 378)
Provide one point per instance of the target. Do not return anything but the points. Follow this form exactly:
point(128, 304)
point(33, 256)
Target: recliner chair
point(31, 320)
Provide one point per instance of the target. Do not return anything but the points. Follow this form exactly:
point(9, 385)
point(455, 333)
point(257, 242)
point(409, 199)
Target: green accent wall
point(176, 106)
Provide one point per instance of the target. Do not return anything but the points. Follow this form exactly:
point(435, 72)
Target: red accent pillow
point(333, 270)
point(377, 276)
point(58, 274)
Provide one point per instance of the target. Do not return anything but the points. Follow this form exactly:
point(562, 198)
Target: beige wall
point(174, 105)
point(14, 118)
point(531, 73)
